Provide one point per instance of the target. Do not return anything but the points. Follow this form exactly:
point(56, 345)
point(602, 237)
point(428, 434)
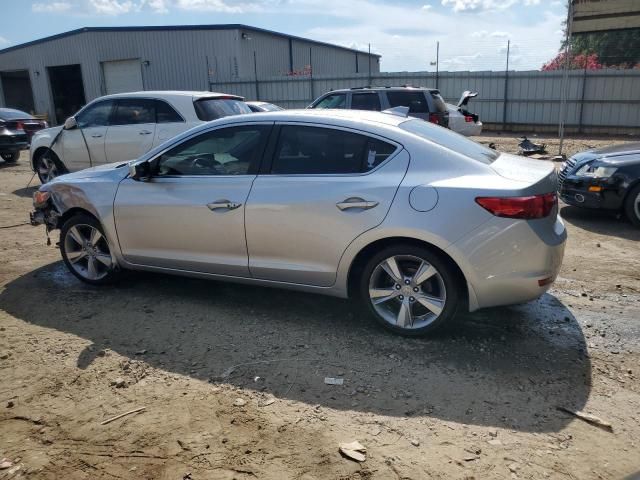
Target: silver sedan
point(412, 219)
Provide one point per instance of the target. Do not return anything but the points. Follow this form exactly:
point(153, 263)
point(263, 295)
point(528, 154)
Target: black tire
point(83, 224)
point(632, 205)
point(448, 278)
point(58, 166)
point(10, 157)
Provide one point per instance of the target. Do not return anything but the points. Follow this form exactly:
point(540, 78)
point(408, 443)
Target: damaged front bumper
point(44, 213)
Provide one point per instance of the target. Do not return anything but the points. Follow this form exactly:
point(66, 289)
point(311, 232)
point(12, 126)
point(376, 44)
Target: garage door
point(122, 76)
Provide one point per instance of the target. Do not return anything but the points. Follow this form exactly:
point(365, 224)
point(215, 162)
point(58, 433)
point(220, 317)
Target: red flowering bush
point(576, 62)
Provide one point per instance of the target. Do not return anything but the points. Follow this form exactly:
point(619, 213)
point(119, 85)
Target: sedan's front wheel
point(410, 290)
point(86, 252)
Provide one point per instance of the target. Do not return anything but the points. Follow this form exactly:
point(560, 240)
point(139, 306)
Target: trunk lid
point(466, 96)
point(537, 176)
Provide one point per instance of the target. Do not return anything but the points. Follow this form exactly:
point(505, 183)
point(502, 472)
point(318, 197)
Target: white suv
point(124, 126)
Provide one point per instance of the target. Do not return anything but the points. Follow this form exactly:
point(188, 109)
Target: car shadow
point(600, 221)
point(26, 192)
point(504, 367)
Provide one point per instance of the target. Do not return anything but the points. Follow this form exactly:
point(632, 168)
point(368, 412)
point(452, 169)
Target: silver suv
point(424, 103)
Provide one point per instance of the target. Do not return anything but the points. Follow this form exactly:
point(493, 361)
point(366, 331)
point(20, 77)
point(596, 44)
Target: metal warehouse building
point(57, 75)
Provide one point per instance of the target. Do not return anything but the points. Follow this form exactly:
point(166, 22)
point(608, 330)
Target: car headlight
point(593, 171)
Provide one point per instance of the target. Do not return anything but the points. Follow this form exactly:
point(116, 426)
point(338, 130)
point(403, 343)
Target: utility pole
point(255, 75)
point(506, 87)
point(369, 57)
point(565, 78)
point(437, 62)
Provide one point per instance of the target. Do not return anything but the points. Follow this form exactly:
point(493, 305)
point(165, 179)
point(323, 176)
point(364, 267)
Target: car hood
point(117, 171)
point(624, 154)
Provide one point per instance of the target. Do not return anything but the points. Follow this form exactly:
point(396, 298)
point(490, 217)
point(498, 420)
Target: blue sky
point(473, 34)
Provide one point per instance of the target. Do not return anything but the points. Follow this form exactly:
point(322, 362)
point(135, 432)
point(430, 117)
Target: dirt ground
point(232, 377)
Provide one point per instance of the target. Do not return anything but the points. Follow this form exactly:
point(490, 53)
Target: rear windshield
point(214, 108)
point(10, 114)
point(451, 140)
point(438, 101)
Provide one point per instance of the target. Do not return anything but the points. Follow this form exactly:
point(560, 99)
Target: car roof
point(314, 116)
point(385, 88)
point(167, 94)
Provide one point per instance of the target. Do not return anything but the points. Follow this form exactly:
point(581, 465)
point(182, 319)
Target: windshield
point(451, 140)
point(214, 108)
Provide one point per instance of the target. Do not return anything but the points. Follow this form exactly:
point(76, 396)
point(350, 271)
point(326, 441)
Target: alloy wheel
point(88, 252)
point(636, 206)
point(47, 169)
point(407, 291)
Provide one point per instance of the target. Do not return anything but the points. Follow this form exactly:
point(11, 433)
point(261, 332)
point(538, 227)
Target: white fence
point(599, 101)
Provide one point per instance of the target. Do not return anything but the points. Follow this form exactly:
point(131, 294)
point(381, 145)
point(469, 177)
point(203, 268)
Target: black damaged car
point(606, 178)
point(16, 129)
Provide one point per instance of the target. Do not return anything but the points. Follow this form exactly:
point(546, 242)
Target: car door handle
point(96, 135)
point(223, 204)
point(356, 202)
point(144, 132)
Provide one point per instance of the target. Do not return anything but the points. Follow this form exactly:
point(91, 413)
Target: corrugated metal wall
point(600, 101)
point(181, 60)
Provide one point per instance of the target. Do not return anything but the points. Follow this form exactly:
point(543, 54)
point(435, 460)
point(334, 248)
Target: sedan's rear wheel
point(86, 252)
point(410, 290)
point(632, 205)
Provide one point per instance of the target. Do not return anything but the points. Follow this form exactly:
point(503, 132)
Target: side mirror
point(140, 171)
point(70, 123)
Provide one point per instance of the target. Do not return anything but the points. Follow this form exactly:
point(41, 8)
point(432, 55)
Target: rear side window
point(134, 111)
point(165, 113)
point(336, 100)
point(365, 101)
point(416, 101)
point(213, 108)
point(314, 150)
point(450, 140)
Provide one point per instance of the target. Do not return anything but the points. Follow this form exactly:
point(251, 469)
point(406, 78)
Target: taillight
point(434, 118)
point(468, 118)
point(535, 206)
point(19, 126)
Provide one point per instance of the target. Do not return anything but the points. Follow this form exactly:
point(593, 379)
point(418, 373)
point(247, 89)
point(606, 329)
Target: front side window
point(314, 150)
point(365, 101)
point(337, 100)
point(96, 115)
point(416, 101)
point(134, 111)
point(226, 151)
point(166, 114)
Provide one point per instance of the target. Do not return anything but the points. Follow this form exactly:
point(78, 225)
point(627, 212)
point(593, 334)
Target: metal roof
point(230, 26)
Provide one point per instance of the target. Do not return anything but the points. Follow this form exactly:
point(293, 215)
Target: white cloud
point(4, 41)
point(111, 7)
point(426, 7)
point(479, 5)
point(215, 6)
point(158, 6)
point(53, 7)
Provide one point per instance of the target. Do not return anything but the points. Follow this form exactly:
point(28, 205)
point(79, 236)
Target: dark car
point(606, 178)
point(16, 130)
point(424, 103)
